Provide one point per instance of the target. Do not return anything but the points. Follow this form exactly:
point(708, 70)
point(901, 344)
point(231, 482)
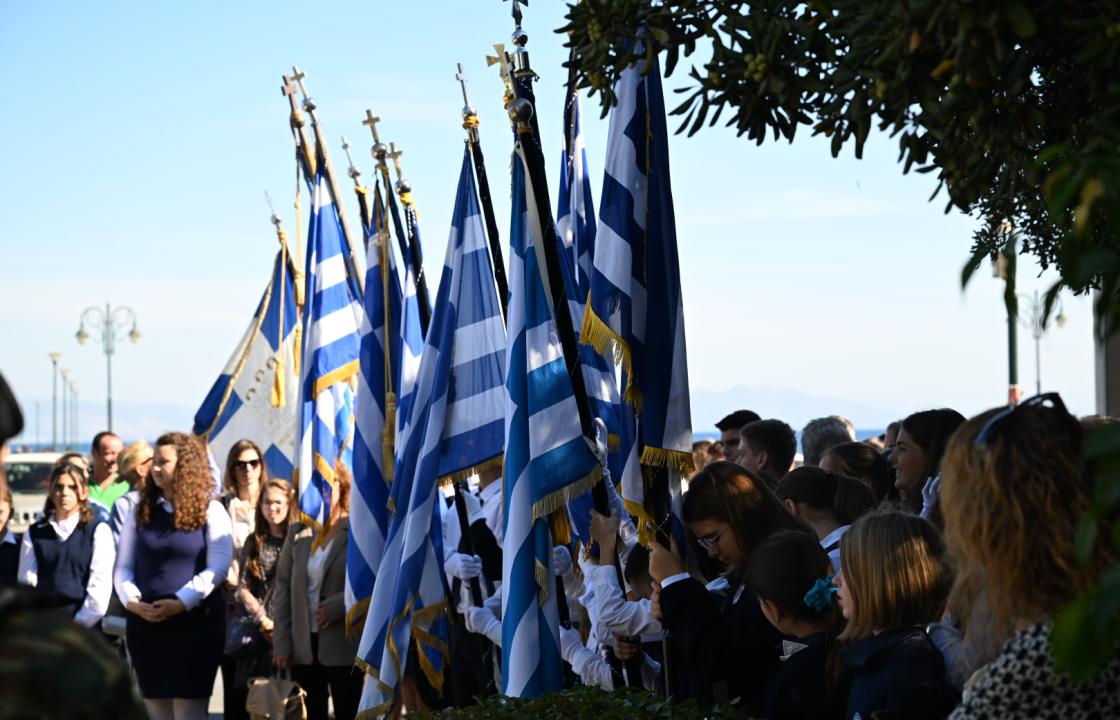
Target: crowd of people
point(916, 575)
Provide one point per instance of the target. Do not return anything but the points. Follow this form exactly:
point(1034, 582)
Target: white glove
point(930, 493)
point(473, 506)
point(561, 560)
point(601, 441)
point(476, 619)
point(464, 567)
point(570, 641)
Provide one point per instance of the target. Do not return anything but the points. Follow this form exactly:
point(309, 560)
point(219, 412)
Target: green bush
point(587, 703)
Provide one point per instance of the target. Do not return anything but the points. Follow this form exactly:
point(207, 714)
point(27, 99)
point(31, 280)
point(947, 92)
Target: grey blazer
point(292, 634)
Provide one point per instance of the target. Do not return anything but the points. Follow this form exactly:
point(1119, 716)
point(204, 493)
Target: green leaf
point(979, 255)
point(1020, 20)
point(1085, 538)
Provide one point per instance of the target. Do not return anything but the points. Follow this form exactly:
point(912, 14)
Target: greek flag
point(635, 313)
point(334, 319)
point(548, 460)
point(255, 397)
point(457, 426)
point(375, 427)
point(575, 230)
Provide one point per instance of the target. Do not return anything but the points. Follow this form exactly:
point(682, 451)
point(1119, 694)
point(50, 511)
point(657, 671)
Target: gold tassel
point(387, 433)
point(561, 527)
point(278, 395)
point(298, 345)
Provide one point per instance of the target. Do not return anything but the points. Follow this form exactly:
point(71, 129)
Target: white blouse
point(219, 554)
point(99, 589)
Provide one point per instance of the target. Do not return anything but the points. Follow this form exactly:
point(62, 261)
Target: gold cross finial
point(288, 88)
point(298, 76)
point(372, 121)
point(396, 156)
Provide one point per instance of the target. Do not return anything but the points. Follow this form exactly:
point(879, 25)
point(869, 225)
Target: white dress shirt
point(834, 554)
point(99, 588)
point(615, 612)
point(9, 537)
point(219, 553)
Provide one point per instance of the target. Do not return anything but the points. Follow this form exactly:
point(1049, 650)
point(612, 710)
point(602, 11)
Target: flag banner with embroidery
point(333, 322)
point(636, 312)
point(456, 426)
point(379, 386)
point(548, 459)
point(257, 395)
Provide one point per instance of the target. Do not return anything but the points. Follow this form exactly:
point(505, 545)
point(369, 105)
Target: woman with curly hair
point(1015, 559)
point(173, 555)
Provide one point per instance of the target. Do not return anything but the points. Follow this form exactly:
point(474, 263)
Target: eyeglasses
point(996, 420)
point(708, 541)
point(246, 464)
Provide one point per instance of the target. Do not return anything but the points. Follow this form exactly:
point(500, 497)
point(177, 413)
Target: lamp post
point(74, 410)
point(55, 357)
point(1034, 321)
point(110, 323)
point(65, 409)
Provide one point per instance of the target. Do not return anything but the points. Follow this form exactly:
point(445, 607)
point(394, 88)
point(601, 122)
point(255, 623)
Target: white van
point(28, 477)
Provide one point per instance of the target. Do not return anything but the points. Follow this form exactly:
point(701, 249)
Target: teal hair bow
point(822, 595)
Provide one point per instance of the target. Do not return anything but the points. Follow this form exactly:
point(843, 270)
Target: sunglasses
point(246, 464)
point(993, 424)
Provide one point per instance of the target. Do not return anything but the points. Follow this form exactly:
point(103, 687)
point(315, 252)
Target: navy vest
point(64, 566)
point(166, 558)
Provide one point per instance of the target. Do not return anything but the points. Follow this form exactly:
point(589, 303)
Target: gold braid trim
point(678, 460)
point(610, 345)
point(426, 639)
point(346, 373)
point(241, 361)
point(647, 529)
point(354, 623)
point(279, 398)
point(460, 475)
point(544, 582)
point(375, 675)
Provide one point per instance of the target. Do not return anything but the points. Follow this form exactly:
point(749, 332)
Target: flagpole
point(328, 169)
point(522, 113)
point(364, 211)
point(470, 124)
point(415, 253)
point(380, 152)
point(303, 145)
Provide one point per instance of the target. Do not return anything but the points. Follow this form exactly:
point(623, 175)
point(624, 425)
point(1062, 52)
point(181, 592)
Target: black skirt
point(178, 657)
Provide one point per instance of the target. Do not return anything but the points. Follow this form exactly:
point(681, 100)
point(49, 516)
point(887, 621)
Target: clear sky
point(139, 138)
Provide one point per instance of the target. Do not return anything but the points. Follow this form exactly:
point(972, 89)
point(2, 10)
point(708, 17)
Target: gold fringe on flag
point(462, 475)
point(678, 460)
point(610, 345)
point(355, 619)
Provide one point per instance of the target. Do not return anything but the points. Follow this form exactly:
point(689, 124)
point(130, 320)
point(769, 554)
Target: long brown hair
point(85, 514)
point(261, 529)
point(1012, 507)
point(229, 481)
point(895, 572)
point(732, 494)
point(193, 484)
point(844, 498)
point(863, 462)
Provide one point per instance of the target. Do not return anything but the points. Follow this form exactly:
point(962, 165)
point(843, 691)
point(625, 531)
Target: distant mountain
point(792, 406)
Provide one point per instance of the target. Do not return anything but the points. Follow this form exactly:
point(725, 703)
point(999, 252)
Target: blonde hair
point(1011, 508)
point(130, 459)
point(894, 572)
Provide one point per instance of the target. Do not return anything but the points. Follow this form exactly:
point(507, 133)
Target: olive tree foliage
point(1014, 106)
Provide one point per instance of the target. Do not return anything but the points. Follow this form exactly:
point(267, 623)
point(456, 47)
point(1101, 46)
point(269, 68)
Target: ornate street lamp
point(111, 325)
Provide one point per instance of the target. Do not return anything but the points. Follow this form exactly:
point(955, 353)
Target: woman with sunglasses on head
point(1024, 467)
point(173, 555)
point(730, 649)
point(69, 553)
point(245, 475)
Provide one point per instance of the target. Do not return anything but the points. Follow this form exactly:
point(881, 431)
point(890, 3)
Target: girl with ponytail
point(826, 502)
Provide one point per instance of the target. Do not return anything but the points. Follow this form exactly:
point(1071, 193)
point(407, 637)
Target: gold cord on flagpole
point(388, 432)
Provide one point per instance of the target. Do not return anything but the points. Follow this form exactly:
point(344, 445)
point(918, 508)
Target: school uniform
point(322, 657)
point(9, 555)
point(729, 648)
point(177, 657)
point(798, 690)
point(72, 562)
point(831, 545)
point(898, 673)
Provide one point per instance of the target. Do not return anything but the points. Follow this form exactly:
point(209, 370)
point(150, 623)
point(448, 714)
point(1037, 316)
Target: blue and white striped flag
point(256, 396)
point(575, 231)
point(331, 347)
point(548, 460)
point(636, 312)
point(457, 424)
point(375, 426)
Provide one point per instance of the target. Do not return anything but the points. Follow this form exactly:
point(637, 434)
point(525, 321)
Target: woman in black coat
point(729, 648)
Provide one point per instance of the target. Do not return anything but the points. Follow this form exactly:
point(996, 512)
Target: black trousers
point(342, 683)
point(234, 696)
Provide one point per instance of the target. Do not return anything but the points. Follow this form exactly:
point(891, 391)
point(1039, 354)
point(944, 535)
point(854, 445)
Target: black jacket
point(898, 674)
point(798, 689)
point(729, 648)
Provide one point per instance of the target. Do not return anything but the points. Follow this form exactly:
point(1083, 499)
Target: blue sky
point(140, 138)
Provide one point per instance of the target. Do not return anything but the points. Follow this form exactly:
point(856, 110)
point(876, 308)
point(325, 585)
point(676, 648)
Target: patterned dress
point(256, 661)
point(1021, 683)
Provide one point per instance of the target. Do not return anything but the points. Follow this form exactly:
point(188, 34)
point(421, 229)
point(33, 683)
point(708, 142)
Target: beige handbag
point(275, 698)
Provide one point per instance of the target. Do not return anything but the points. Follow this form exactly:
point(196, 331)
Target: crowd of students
point(915, 579)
